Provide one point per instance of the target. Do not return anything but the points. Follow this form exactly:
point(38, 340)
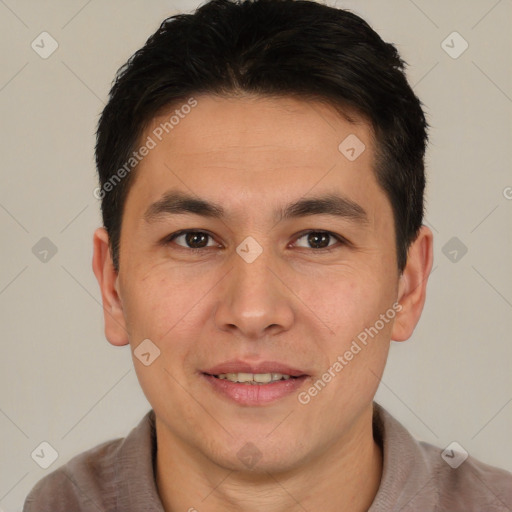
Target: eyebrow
point(178, 202)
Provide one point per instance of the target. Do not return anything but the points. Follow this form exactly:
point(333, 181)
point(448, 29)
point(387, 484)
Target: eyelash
point(170, 238)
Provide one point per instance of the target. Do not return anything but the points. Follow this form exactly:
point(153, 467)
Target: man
point(262, 179)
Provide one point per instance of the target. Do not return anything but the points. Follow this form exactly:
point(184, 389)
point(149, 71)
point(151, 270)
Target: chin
point(258, 459)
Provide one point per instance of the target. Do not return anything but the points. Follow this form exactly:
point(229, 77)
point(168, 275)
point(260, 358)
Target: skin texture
point(296, 304)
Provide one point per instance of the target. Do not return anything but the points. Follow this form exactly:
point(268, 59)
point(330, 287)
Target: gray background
point(63, 383)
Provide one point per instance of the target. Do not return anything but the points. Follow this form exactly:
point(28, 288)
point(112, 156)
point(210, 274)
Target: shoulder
point(101, 478)
point(465, 483)
point(420, 476)
point(85, 481)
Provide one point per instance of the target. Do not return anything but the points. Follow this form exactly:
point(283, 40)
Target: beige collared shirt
point(119, 476)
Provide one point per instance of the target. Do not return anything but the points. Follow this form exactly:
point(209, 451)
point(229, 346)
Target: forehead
point(278, 148)
point(286, 129)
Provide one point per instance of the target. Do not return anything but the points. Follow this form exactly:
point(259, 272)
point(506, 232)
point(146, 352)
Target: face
point(253, 248)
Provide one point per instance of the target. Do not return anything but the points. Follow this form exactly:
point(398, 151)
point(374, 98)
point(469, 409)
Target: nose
point(255, 301)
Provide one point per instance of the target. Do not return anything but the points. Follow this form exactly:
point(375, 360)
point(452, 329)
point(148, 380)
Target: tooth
point(244, 377)
point(264, 378)
point(253, 378)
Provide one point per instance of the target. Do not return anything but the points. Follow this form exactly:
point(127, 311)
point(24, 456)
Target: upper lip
point(238, 366)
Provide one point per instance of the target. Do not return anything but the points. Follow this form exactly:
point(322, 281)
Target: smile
point(254, 378)
point(249, 389)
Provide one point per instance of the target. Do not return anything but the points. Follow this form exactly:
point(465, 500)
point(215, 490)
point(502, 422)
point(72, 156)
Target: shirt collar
point(135, 468)
point(406, 472)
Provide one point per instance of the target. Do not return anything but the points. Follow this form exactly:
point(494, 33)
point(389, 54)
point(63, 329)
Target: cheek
point(162, 308)
point(154, 303)
point(345, 299)
point(358, 346)
point(351, 304)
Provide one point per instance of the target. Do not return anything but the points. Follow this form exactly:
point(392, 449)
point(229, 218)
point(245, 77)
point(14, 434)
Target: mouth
point(252, 385)
point(253, 378)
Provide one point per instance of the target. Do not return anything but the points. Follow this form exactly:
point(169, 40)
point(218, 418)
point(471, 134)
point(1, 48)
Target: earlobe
point(413, 285)
point(107, 277)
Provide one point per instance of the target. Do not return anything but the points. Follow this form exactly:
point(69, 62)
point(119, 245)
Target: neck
point(344, 477)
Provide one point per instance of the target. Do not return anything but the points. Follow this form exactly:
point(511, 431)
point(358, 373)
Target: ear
point(412, 285)
point(103, 268)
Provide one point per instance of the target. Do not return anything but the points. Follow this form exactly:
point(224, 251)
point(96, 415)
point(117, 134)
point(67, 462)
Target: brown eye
point(319, 239)
point(196, 240)
point(191, 239)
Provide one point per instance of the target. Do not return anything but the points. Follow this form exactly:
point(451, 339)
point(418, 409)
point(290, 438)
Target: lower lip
point(255, 394)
